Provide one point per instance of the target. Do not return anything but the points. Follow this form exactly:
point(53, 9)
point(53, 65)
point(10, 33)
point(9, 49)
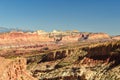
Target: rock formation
point(14, 69)
point(78, 56)
point(95, 36)
point(116, 37)
point(84, 63)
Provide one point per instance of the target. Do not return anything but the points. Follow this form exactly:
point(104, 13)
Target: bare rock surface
point(14, 69)
point(116, 37)
point(75, 56)
point(89, 62)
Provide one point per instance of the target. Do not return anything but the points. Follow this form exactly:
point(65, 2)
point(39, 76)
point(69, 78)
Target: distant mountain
point(4, 29)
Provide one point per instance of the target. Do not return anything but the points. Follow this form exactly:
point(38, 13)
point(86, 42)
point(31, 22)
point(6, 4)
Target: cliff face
point(84, 62)
point(21, 38)
point(89, 62)
point(14, 69)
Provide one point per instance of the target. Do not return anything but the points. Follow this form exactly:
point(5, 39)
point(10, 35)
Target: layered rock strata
point(82, 63)
point(14, 69)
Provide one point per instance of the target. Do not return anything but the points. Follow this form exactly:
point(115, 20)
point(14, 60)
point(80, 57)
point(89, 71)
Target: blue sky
point(83, 15)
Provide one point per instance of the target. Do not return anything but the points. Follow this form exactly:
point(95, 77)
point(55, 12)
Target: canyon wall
point(21, 38)
point(85, 63)
point(73, 62)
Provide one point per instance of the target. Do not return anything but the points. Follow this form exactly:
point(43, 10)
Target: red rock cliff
point(14, 69)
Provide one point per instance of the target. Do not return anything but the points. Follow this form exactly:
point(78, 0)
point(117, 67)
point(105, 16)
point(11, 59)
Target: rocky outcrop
point(20, 38)
point(76, 62)
point(96, 36)
point(116, 37)
point(14, 69)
